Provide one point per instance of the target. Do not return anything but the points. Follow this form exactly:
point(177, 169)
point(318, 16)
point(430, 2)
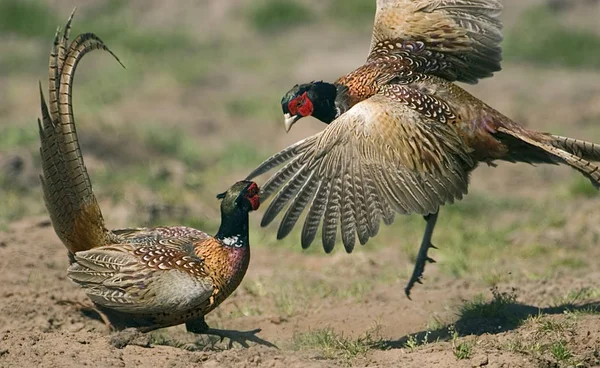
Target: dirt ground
point(516, 283)
point(43, 326)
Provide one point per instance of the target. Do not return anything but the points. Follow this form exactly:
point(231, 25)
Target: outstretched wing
point(384, 155)
point(143, 279)
point(458, 40)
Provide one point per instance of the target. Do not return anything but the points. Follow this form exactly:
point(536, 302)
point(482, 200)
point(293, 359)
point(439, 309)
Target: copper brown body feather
point(404, 137)
point(145, 278)
point(163, 282)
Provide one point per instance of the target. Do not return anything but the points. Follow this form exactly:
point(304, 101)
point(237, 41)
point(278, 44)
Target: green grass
point(22, 135)
point(560, 351)
point(21, 58)
point(173, 142)
point(178, 144)
point(464, 248)
point(480, 308)
point(13, 207)
point(101, 88)
point(413, 342)
point(568, 263)
point(149, 42)
point(239, 155)
point(31, 18)
point(263, 106)
point(548, 325)
point(293, 295)
point(540, 38)
point(27, 18)
point(544, 338)
point(333, 345)
point(197, 65)
point(123, 33)
point(246, 311)
point(111, 21)
point(522, 345)
point(114, 23)
point(287, 303)
point(461, 349)
point(163, 202)
point(278, 15)
point(582, 311)
point(353, 12)
point(580, 295)
point(17, 201)
point(581, 187)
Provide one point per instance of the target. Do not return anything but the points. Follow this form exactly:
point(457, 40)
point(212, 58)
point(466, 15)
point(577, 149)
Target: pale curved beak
point(289, 120)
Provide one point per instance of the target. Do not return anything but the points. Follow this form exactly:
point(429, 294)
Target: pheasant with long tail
point(401, 137)
point(140, 278)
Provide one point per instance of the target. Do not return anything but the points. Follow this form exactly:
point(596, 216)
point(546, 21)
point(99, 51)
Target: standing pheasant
point(145, 278)
point(401, 136)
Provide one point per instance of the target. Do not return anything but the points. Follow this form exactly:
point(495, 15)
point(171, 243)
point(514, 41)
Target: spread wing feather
point(455, 39)
point(379, 158)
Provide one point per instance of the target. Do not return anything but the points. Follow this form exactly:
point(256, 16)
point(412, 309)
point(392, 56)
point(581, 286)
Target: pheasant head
point(241, 197)
point(315, 99)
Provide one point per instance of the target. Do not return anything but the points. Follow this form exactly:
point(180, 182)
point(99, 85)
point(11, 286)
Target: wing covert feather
point(458, 40)
point(381, 157)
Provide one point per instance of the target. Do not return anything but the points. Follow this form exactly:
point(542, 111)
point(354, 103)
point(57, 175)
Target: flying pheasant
point(401, 137)
point(141, 278)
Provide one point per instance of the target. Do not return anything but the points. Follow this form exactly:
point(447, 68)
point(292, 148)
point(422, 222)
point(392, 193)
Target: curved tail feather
point(70, 201)
point(587, 150)
point(564, 150)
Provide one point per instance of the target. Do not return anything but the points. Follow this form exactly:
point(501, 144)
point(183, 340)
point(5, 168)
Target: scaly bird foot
point(417, 274)
point(241, 337)
point(422, 257)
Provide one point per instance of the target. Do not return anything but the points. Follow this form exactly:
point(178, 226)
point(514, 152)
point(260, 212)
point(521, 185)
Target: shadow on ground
point(501, 314)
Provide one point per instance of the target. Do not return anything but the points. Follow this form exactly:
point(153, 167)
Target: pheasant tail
point(583, 149)
point(70, 201)
point(570, 151)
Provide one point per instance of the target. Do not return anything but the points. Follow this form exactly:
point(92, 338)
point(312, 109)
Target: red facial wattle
point(301, 105)
point(293, 106)
point(252, 195)
point(254, 202)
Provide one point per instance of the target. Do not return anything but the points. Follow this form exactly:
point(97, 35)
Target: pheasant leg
point(199, 326)
point(422, 257)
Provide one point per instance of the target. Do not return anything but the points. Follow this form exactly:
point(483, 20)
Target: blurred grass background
point(198, 108)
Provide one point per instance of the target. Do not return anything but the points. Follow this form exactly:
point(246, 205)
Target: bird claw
point(241, 337)
point(417, 276)
point(422, 257)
